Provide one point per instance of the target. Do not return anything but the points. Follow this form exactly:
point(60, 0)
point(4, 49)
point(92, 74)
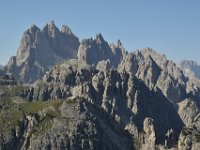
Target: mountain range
point(190, 68)
point(62, 93)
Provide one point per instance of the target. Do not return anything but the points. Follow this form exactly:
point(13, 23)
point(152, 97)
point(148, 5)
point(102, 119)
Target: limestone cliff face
point(39, 50)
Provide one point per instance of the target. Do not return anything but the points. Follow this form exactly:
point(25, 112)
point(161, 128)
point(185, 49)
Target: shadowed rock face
point(1, 70)
point(94, 50)
point(39, 50)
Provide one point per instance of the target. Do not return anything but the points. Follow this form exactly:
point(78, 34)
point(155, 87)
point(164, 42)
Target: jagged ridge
point(39, 50)
point(116, 99)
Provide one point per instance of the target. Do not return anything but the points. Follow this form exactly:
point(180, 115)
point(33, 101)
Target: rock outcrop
point(40, 49)
point(189, 139)
point(8, 79)
point(149, 135)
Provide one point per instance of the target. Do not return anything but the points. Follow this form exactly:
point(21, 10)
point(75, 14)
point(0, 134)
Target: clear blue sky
point(171, 27)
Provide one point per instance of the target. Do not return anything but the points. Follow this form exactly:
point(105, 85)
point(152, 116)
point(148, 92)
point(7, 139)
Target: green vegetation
point(72, 101)
point(10, 115)
point(44, 124)
point(35, 107)
point(51, 111)
point(15, 117)
point(15, 90)
point(137, 143)
point(12, 112)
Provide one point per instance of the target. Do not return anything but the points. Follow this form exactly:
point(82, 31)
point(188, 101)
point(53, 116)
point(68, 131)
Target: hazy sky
point(171, 27)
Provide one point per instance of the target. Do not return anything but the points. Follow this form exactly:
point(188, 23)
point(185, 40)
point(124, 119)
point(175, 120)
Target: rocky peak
point(87, 42)
point(51, 24)
point(148, 71)
point(51, 29)
point(160, 59)
point(93, 51)
point(27, 42)
point(118, 48)
point(36, 44)
point(119, 43)
point(99, 39)
point(33, 29)
point(66, 30)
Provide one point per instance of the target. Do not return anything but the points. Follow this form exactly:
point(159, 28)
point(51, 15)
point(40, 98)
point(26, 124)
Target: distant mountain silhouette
point(190, 68)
